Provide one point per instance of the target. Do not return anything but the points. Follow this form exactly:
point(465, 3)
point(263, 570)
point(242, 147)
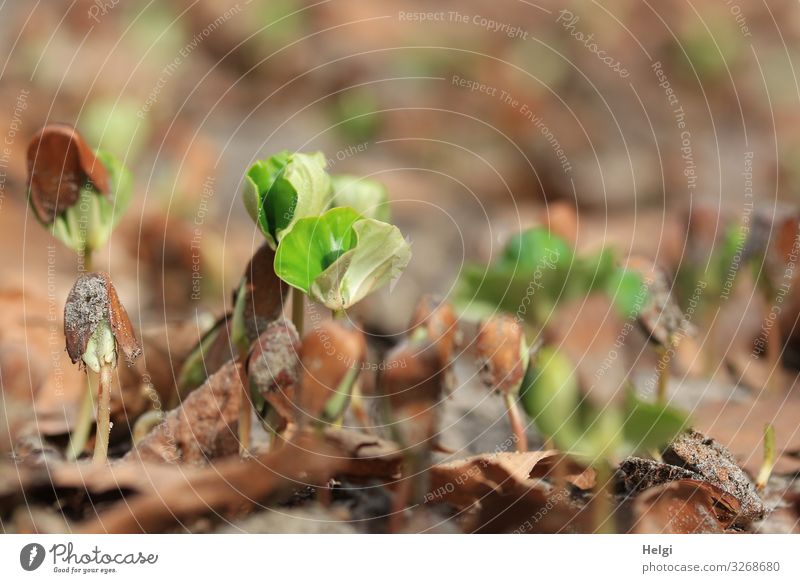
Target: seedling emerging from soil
point(599, 433)
point(435, 320)
point(273, 373)
point(332, 357)
point(367, 197)
point(259, 300)
point(413, 385)
point(771, 250)
point(769, 458)
point(280, 191)
point(660, 318)
point(97, 329)
point(340, 257)
point(78, 194)
point(503, 357)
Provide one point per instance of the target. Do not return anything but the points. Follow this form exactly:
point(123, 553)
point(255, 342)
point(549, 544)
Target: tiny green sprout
point(340, 257)
point(78, 194)
point(769, 458)
point(368, 197)
point(97, 329)
point(503, 356)
point(285, 188)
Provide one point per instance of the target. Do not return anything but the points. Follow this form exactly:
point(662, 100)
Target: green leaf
point(368, 197)
point(550, 396)
point(628, 291)
point(87, 225)
point(650, 425)
point(537, 248)
point(339, 257)
point(283, 189)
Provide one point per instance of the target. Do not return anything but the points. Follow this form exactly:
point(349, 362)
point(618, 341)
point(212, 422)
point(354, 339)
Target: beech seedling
point(340, 257)
point(97, 329)
point(78, 194)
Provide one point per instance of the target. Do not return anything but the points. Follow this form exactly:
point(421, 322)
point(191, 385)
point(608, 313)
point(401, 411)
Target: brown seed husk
point(59, 164)
point(266, 293)
point(273, 367)
point(91, 300)
point(328, 353)
point(498, 346)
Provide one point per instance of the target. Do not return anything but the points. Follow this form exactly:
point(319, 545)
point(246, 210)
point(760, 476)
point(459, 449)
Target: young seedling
point(280, 191)
point(340, 257)
point(332, 356)
point(503, 357)
point(660, 318)
point(770, 248)
point(413, 386)
point(79, 195)
point(599, 433)
point(273, 373)
point(769, 458)
point(97, 329)
point(259, 300)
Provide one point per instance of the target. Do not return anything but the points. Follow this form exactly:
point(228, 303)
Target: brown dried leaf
point(202, 428)
point(59, 164)
point(684, 507)
point(273, 368)
point(465, 482)
point(709, 459)
point(229, 489)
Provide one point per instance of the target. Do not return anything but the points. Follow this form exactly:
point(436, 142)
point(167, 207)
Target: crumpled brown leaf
point(694, 451)
point(230, 488)
point(684, 507)
point(467, 481)
point(202, 428)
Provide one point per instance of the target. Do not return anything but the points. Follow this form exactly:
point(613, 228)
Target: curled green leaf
point(368, 197)
point(285, 188)
point(340, 257)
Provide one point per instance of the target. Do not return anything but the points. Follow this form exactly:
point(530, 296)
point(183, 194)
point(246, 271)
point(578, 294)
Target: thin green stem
point(245, 415)
point(662, 371)
point(103, 415)
point(602, 504)
point(298, 310)
point(83, 426)
point(515, 420)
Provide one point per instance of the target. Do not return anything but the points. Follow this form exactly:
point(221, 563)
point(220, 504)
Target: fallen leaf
point(684, 507)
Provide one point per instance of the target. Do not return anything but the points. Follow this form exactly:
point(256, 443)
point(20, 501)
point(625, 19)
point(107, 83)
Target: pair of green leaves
point(551, 396)
point(339, 255)
point(537, 270)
